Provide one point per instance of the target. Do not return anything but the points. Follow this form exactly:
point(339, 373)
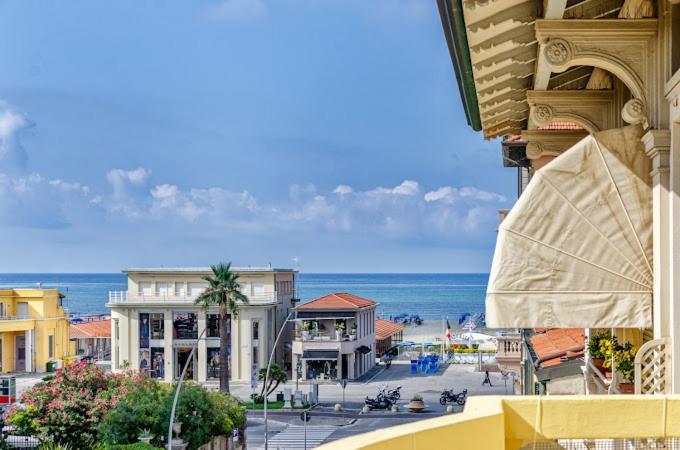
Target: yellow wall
point(510, 423)
point(46, 318)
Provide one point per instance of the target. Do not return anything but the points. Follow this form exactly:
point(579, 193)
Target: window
point(184, 325)
point(179, 289)
point(256, 330)
point(163, 289)
point(196, 289)
point(258, 289)
point(2, 310)
point(144, 328)
point(144, 288)
point(213, 361)
point(50, 346)
point(157, 325)
point(213, 325)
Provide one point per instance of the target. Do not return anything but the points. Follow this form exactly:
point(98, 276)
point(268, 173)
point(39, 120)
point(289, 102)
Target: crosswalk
point(293, 437)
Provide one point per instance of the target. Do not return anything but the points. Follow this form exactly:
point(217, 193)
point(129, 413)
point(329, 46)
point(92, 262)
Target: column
point(134, 340)
point(167, 344)
point(350, 366)
point(236, 368)
point(657, 147)
point(124, 337)
point(339, 366)
point(30, 351)
point(202, 349)
point(674, 244)
point(246, 350)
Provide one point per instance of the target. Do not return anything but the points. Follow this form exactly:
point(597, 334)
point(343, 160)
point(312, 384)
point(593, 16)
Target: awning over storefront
point(576, 249)
point(320, 354)
point(363, 350)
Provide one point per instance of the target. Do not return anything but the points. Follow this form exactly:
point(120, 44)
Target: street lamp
point(179, 387)
point(266, 377)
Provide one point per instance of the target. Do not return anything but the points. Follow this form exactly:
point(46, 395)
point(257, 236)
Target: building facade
point(92, 339)
point(334, 338)
point(156, 323)
point(34, 329)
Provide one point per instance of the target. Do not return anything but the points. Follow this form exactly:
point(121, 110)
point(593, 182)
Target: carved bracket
point(550, 142)
point(593, 110)
point(622, 47)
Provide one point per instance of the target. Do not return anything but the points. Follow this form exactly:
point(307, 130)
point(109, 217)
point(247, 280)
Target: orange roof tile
point(561, 126)
point(386, 328)
point(553, 344)
point(94, 329)
point(339, 300)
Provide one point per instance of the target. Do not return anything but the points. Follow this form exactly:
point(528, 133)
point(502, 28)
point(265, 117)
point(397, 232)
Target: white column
point(350, 366)
point(202, 349)
point(124, 335)
point(674, 244)
point(339, 366)
point(657, 145)
point(30, 350)
point(134, 340)
point(167, 344)
point(236, 373)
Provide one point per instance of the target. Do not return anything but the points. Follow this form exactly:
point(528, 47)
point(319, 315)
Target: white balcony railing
point(118, 297)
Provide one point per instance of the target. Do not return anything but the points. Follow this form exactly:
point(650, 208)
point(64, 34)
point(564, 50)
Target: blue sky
point(185, 133)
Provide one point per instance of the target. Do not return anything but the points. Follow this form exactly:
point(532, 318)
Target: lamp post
point(266, 378)
point(179, 387)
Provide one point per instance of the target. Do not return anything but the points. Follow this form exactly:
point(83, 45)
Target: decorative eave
point(550, 142)
point(593, 110)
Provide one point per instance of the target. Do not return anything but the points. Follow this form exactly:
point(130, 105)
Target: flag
point(448, 329)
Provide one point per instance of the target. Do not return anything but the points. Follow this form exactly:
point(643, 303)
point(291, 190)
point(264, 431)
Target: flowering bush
point(68, 408)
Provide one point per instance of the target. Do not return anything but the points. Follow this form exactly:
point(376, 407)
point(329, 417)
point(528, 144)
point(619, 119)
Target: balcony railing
point(4, 318)
point(118, 297)
point(513, 423)
point(324, 337)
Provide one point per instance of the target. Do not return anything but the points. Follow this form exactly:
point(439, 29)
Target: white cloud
point(12, 153)
point(237, 9)
point(343, 189)
point(450, 195)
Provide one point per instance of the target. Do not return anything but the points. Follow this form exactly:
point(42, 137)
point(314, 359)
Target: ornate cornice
point(550, 142)
point(593, 110)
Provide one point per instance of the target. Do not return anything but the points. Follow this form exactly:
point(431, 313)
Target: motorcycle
point(381, 401)
point(450, 396)
point(394, 394)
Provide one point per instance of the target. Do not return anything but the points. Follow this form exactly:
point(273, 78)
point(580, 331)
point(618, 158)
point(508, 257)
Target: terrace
point(512, 423)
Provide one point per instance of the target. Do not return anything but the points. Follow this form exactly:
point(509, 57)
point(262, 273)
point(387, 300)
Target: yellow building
point(34, 329)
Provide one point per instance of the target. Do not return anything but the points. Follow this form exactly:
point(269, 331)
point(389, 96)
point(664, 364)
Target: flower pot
point(416, 406)
point(627, 388)
point(146, 440)
point(305, 335)
point(599, 364)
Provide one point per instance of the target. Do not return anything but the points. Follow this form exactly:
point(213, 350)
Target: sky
point(161, 133)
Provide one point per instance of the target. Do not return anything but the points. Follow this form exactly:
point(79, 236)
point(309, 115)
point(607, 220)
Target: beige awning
point(576, 249)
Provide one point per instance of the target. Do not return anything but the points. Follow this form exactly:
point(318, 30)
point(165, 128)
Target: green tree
point(223, 291)
point(276, 376)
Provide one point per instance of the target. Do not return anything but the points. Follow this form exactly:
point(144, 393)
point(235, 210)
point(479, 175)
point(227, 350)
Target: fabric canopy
point(576, 249)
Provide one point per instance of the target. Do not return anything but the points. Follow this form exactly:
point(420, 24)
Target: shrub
point(595, 342)
point(135, 446)
point(203, 415)
point(67, 408)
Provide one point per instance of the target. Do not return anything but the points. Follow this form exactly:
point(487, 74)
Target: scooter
point(450, 396)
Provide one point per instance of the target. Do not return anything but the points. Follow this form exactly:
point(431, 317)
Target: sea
point(432, 296)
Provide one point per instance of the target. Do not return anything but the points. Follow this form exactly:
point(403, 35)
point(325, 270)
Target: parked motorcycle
point(394, 394)
point(381, 401)
point(450, 396)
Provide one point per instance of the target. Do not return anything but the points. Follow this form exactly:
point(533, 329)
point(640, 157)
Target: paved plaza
point(324, 422)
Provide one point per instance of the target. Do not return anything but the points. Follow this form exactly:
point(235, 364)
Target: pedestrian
point(487, 379)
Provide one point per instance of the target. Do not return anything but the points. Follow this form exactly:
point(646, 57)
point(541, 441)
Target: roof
point(204, 269)
point(557, 345)
point(386, 328)
point(338, 300)
point(94, 329)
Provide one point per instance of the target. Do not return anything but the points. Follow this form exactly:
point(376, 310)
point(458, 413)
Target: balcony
point(126, 298)
point(513, 423)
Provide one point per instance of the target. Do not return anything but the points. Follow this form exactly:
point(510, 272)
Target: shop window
point(213, 361)
point(256, 331)
point(157, 363)
point(144, 330)
point(50, 346)
point(185, 325)
point(157, 325)
point(213, 325)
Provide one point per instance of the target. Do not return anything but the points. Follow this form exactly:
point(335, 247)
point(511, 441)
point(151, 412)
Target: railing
point(513, 423)
point(324, 337)
point(3, 318)
point(117, 297)
point(509, 347)
point(652, 368)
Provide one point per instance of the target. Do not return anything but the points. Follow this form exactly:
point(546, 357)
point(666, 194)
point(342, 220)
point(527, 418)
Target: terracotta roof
point(339, 300)
point(86, 330)
point(554, 344)
point(561, 126)
point(386, 328)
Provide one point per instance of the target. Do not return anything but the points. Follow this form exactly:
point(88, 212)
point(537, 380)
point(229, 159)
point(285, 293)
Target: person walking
point(487, 379)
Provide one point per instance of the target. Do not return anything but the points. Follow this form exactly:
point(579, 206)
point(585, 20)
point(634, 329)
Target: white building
point(335, 337)
point(155, 323)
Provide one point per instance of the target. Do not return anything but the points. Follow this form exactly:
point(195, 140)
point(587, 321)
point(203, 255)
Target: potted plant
point(624, 357)
point(416, 404)
point(353, 331)
point(339, 328)
point(608, 347)
point(594, 350)
point(145, 436)
point(305, 330)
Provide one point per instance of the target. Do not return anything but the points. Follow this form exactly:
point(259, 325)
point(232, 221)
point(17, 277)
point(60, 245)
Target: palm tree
point(276, 375)
point(223, 291)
